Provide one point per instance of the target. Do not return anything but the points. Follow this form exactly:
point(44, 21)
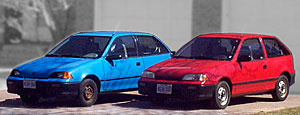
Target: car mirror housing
point(243, 58)
point(173, 53)
point(113, 57)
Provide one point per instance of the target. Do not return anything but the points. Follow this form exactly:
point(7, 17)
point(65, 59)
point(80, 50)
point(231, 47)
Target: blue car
point(87, 64)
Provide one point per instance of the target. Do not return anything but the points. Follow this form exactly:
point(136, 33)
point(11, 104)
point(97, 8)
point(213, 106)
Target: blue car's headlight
point(15, 73)
point(62, 75)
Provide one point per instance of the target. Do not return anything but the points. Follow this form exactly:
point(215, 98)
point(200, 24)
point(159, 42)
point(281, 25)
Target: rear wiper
point(53, 55)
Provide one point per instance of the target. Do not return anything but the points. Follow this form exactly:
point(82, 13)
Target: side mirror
point(173, 53)
point(243, 58)
point(113, 57)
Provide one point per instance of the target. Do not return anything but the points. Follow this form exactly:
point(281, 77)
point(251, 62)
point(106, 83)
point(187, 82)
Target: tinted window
point(149, 46)
point(80, 46)
point(252, 48)
point(274, 48)
point(209, 48)
point(123, 47)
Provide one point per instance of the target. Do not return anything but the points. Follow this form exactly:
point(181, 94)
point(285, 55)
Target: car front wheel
point(88, 93)
point(222, 95)
point(281, 89)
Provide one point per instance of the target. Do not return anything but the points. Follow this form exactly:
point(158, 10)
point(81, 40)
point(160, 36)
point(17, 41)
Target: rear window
point(149, 45)
point(274, 48)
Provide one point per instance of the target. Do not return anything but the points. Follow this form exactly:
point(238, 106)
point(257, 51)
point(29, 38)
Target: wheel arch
point(226, 79)
point(95, 79)
point(287, 74)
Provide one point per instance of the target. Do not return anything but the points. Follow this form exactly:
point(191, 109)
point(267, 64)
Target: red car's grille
point(168, 78)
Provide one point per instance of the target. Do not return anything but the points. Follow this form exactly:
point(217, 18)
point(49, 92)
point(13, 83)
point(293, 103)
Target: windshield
point(209, 48)
point(80, 47)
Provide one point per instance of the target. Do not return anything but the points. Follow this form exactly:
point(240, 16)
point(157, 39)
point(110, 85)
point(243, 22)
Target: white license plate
point(29, 84)
point(164, 88)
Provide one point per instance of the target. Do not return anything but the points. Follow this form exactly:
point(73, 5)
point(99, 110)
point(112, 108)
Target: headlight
point(63, 75)
point(148, 74)
point(15, 73)
point(195, 77)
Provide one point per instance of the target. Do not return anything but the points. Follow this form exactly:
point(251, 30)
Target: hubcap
point(222, 96)
point(88, 92)
point(282, 88)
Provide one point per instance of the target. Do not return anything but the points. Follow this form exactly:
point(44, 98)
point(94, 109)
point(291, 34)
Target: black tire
point(222, 96)
point(88, 93)
point(30, 99)
point(282, 89)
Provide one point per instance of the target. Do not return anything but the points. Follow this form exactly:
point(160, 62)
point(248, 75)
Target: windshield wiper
point(202, 57)
point(53, 55)
point(69, 55)
point(180, 57)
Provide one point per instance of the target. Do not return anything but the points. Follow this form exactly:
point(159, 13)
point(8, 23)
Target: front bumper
point(44, 89)
point(184, 91)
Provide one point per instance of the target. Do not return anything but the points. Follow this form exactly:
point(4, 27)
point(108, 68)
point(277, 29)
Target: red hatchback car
point(220, 66)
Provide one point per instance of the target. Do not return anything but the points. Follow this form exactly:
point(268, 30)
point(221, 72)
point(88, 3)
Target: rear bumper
point(44, 89)
point(183, 91)
point(292, 79)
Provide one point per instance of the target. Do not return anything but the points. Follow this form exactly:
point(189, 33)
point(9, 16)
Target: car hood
point(45, 66)
point(180, 67)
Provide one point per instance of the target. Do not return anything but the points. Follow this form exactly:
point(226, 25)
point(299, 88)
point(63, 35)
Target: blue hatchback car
point(87, 64)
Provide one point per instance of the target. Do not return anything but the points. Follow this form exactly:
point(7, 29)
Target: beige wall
point(170, 20)
point(276, 17)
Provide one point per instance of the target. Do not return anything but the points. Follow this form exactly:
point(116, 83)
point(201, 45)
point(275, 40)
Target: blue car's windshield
point(80, 47)
point(209, 48)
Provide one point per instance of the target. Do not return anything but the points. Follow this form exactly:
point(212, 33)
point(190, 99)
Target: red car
point(221, 66)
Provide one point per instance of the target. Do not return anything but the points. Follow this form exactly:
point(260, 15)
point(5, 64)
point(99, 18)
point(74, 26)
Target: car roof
point(110, 33)
point(235, 35)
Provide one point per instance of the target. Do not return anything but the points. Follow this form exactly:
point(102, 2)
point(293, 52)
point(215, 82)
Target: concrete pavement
point(133, 103)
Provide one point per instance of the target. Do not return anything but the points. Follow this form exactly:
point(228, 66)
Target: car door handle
point(265, 66)
point(138, 63)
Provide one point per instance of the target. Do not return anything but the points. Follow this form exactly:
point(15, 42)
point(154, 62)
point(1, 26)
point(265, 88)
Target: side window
point(123, 47)
point(274, 48)
point(149, 46)
point(252, 48)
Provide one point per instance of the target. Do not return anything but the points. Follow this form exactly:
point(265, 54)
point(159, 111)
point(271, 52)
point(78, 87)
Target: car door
point(252, 72)
point(123, 66)
point(152, 50)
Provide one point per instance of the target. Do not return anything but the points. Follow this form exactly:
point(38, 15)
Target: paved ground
point(133, 103)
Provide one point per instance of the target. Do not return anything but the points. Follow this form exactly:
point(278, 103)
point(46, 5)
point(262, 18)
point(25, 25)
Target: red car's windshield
point(210, 48)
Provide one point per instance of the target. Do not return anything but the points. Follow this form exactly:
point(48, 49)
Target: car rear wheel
point(88, 93)
point(30, 99)
point(222, 95)
point(281, 89)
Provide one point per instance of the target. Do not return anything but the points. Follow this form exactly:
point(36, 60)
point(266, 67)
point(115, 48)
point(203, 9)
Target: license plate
point(29, 84)
point(164, 88)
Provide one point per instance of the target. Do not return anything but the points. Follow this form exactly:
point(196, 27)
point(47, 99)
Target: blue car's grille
point(31, 77)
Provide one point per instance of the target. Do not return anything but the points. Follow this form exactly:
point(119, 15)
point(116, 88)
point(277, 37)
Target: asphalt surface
point(133, 103)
